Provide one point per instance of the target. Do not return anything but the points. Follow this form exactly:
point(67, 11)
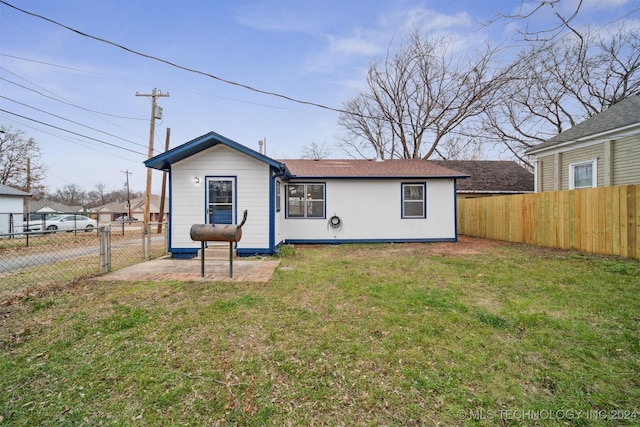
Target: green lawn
point(473, 333)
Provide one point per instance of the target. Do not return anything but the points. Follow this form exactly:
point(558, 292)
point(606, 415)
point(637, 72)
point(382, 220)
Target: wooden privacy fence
point(602, 220)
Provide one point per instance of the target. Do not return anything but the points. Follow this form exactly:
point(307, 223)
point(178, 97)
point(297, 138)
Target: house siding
point(365, 205)
point(626, 161)
point(546, 168)
point(279, 215)
point(252, 193)
point(12, 209)
point(580, 155)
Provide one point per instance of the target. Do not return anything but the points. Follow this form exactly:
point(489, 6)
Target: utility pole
point(164, 185)
point(128, 195)
point(156, 112)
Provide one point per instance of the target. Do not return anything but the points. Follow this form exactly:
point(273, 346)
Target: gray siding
point(545, 170)
point(626, 161)
point(581, 155)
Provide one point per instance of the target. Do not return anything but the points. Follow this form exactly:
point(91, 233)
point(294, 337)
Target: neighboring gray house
point(12, 203)
point(490, 177)
point(601, 151)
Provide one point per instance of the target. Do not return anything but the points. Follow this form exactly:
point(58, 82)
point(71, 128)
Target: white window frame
point(423, 201)
point(594, 173)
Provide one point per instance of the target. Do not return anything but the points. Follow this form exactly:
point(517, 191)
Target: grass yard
point(473, 333)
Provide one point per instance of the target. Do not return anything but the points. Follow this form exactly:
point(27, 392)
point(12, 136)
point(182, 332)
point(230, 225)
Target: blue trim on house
point(247, 252)
point(165, 160)
point(295, 178)
point(272, 208)
point(455, 208)
point(170, 223)
point(233, 178)
point(348, 241)
point(424, 199)
point(184, 253)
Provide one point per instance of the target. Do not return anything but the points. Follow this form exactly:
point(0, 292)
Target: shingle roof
point(165, 160)
point(5, 190)
point(37, 205)
point(491, 176)
point(350, 168)
point(623, 114)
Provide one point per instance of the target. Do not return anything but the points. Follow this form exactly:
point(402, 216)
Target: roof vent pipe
point(263, 146)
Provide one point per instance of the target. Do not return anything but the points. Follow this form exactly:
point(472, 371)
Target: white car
point(62, 222)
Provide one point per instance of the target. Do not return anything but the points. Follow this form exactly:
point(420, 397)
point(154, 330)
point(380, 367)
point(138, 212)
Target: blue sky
point(313, 50)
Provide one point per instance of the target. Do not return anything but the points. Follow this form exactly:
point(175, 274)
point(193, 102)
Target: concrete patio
point(167, 268)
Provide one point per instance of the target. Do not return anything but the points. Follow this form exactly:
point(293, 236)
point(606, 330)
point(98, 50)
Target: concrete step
point(217, 253)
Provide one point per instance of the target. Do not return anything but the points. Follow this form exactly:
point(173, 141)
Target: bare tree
point(20, 165)
point(416, 98)
point(530, 8)
point(557, 84)
point(98, 196)
point(70, 194)
point(461, 147)
point(315, 151)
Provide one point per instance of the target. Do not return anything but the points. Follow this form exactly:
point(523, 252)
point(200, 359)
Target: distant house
point(214, 179)
point(47, 206)
point(601, 151)
point(490, 177)
point(12, 202)
point(112, 211)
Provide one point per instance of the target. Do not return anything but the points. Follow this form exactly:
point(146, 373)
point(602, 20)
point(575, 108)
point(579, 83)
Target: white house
point(11, 209)
point(213, 179)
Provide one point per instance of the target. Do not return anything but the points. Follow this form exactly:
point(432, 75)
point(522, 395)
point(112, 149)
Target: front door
point(220, 200)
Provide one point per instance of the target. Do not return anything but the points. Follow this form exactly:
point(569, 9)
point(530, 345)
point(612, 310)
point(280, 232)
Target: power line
point(71, 121)
point(79, 142)
point(191, 70)
point(60, 99)
point(50, 64)
point(72, 132)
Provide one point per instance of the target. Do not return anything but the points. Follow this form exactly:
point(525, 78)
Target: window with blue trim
point(414, 200)
point(305, 200)
point(278, 196)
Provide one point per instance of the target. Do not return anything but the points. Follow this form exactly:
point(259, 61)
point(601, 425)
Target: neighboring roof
point(491, 176)
point(38, 205)
point(396, 168)
point(165, 160)
point(136, 204)
point(625, 113)
point(5, 190)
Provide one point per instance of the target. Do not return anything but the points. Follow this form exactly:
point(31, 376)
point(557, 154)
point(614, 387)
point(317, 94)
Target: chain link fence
point(31, 261)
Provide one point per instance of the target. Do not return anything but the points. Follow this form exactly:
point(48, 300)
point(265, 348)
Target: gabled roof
point(491, 176)
point(39, 205)
point(307, 169)
point(136, 204)
point(165, 160)
point(5, 190)
point(350, 168)
point(624, 114)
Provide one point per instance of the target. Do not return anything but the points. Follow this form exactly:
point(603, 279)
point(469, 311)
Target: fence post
point(146, 242)
point(105, 249)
